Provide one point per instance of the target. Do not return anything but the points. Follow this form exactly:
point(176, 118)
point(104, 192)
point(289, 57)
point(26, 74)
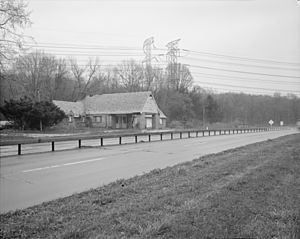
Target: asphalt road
point(28, 180)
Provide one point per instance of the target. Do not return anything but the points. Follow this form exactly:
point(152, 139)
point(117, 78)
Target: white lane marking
point(193, 144)
point(62, 165)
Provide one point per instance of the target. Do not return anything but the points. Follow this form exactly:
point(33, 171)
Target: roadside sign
point(281, 123)
point(271, 122)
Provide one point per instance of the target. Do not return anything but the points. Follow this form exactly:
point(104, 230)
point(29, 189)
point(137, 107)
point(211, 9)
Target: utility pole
point(172, 54)
point(39, 98)
point(203, 116)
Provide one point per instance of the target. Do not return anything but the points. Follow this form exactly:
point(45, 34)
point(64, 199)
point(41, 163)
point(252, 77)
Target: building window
point(98, 119)
point(160, 121)
point(124, 119)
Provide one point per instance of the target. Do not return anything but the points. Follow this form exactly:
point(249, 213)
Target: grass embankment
point(250, 192)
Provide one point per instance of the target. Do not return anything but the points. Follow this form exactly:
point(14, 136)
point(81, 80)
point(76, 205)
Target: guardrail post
point(205, 132)
point(19, 149)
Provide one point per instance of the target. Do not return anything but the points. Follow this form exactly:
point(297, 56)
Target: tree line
point(44, 77)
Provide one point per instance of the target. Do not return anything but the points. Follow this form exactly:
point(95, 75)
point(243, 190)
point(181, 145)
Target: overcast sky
point(268, 30)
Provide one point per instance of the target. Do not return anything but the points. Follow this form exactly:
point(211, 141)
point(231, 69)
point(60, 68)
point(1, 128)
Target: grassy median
point(249, 192)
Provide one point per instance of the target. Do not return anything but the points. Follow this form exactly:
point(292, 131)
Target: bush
point(176, 125)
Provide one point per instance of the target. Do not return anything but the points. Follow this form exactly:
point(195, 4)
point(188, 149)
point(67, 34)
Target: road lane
point(64, 173)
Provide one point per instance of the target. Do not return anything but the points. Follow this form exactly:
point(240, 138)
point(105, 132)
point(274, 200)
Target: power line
point(77, 46)
point(126, 48)
point(248, 87)
point(97, 55)
point(86, 47)
point(214, 76)
point(241, 64)
point(241, 58)
point(244, 72)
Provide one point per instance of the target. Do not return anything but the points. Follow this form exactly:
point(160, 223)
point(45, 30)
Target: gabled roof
point(74, 108)
point(117, 103)
point(121, 103)
point(161, 114)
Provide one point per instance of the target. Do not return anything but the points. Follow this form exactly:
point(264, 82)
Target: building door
point(121, 122)
point(124, 122)
point(149, 121)
point(118, 122)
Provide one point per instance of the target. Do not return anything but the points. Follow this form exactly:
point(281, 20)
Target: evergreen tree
point(29, 115)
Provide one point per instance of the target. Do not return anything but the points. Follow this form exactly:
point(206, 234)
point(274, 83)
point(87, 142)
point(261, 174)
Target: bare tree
point(83, 76)
point(181, 79)
point(13, 17)
point(149, 77)
point(131, 75)
point(185, 79)
point(35, 74)
point(61, 90)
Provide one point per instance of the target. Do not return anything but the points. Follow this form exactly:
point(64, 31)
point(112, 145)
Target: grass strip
point(248, 192)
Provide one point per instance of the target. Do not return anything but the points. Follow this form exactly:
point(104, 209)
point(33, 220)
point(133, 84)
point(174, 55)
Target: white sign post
point(271, 122)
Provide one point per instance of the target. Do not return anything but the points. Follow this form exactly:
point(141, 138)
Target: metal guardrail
point(135, 136)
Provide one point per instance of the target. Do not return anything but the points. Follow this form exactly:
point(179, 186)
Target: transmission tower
point(147, 47)
point(172, 55)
